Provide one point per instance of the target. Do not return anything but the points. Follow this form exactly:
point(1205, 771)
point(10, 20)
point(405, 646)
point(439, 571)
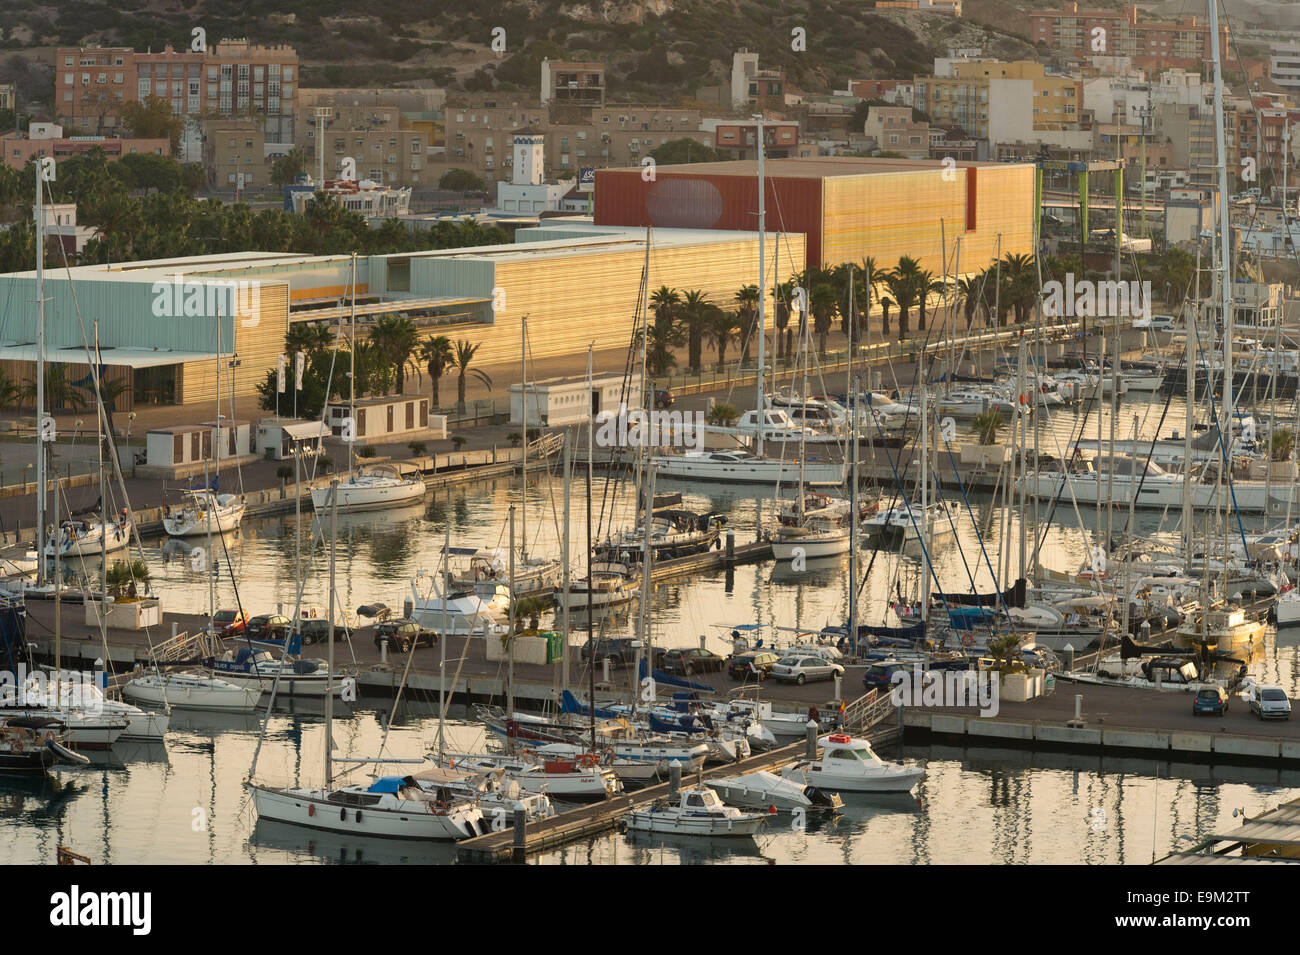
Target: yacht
point(698, 812)
point(744, 467)
point(376, 488)
point(78, 538)
point(851, 765)
point(191, 691)
point(902, 526)
point(611, 583)
point(205, 512)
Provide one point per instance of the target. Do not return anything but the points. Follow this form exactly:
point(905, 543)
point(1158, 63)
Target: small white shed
point(388, 418)
point(278, 437)
point(178, 445)
point(555, 402)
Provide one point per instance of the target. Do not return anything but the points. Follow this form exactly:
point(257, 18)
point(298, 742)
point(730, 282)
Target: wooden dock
point(870, 715)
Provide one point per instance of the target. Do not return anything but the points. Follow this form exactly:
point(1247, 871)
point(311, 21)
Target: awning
point(115, 357)
point(305, 429)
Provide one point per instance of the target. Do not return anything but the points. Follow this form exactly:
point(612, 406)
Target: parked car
point(404, 635)
point(229, 623)
point(268, 626)
point(1270, 703)
point(620, 651)
point(694, 660)
point(802, 668)
point(317, 630)
point(751, 665)
point(880, 676)
point(1212, 699)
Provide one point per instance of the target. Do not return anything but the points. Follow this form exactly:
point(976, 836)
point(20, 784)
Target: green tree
point(747, 316)
point(287, 168)
point(823, 302)
point(395, 338)
point(721, 329)
point(684, 150)
point(695, 314)
point(60, 392)
point(465, 353)
point(437, 356)
point(153, 118)
point(461, 180)
point(903, 290)
point(987, 425)
point(308, 337)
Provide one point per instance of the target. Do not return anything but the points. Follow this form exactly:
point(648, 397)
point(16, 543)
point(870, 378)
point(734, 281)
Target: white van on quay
point(1157, 323)
point(1270, 703)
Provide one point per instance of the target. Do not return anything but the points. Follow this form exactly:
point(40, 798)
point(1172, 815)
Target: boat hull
point(367, 497)
point(311, 809)
point(192, 695)
point(762, 471)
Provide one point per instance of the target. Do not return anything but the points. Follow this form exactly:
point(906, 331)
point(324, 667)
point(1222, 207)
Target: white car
point(1157, 323)
point(804, 667)
point(1270, 703)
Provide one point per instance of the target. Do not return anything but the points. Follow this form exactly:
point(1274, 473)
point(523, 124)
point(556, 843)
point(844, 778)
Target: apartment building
point(231, 79)
point(895, 92)
point(382, 144)
point(234, 154)
point(999, 101)
point(1183, 42)
point(739, 140)
point(567, 83)
point(47, 139)
point(894, 131)
point(1283, 66)
point(8, 96)
point(755, 90)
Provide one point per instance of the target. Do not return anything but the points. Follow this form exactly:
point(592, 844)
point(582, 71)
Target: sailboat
point(403, 807)
point(205, 511)
point(379, 486)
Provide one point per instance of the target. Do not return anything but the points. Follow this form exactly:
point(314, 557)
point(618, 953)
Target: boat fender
point(311, 809)
point(771, 810)
point(358, 815)
point(343, 815)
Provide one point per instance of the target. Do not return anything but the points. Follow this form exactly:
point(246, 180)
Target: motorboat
point(1128, 479)
point(610, 583)
point(191, 691)
point(965, 403)
point(260, 670)
point(489, 567)
point(764, 790)
point(578, 779)
point(79, 538)
point(459, 612)
point(205, 512)
point(1222, 628)
point(815, 538)
point(141, 725)
point(673, 533)
point(1288, 608)
point(497, 795)
point(377, 487)
point(399, 807)
point(744, 467)
point(902, 526)
point(698, 812)
point(849, 764)
point(33, 743)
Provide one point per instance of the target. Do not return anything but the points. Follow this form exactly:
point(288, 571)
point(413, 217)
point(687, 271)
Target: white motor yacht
point(851, 765)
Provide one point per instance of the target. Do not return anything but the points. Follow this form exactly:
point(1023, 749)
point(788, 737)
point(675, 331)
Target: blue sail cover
point(387, 784)
point(662, 677)
point(569, 704)
point(683, 724)
point(964, 618)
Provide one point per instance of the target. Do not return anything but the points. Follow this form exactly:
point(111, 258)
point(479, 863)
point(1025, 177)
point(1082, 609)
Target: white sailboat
point(78, 538)
point(392, 806)
point(205, 512)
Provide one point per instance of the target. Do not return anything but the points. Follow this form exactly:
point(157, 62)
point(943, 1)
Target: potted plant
point(459, 441)
point(723, 414)
point(368, 451)
point(515, 438)
point(1018, 682)
point(1281, 447)
point(418, 449)
point(986, 452)
point(127, 609)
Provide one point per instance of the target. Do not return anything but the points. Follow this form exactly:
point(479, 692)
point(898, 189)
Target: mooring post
point(383, 649)
point(1078, 706)
point(674, 777)
point(810, 751)
point(521, 834)
point(731, 547)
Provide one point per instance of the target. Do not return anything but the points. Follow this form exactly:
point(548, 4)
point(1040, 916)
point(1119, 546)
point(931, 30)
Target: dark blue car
point(1212, 700)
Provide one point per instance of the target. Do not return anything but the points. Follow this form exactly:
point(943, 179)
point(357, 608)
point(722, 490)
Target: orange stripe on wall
point(972, 194)
point(328, 291)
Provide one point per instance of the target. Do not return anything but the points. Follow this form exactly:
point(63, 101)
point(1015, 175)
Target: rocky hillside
point(660, 48)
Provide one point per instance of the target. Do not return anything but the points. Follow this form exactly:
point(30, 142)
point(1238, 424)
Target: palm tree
point(870, 275)
point(109, 392)
point(721, 329)
point(396, 338)
point(781, 293)
point(10, 390)
point(464, 356)
point(987, 425)
point(59, 391)
point(823, 301)
point(308, 337)
point(1020, 274)
point(968, 295)
point(437, 357)
point(886, 303)
point(929, 285)
point(695, 315)
point(902, 288)
point(665, 302)
point(747, 315)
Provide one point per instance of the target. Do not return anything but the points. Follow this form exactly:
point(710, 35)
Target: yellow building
point(974, 91)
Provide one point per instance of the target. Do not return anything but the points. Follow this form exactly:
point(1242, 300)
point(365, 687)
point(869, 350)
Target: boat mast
point(853, 475)
point(329, 664)
point(1191, 327)
point(442, 644)
point(352, 370)
point(925, 500)
point(510, 654)
point(1225, 225)
point(591, 581)
point(647, 573)
point(762, 286)
point(566, 582)
point(523, 496)
point(40, 382)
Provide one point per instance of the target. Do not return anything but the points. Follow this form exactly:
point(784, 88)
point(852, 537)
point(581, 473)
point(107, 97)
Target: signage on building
point(586, 179)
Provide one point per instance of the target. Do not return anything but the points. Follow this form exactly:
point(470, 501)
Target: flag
point(299, 360)
point(279, 374)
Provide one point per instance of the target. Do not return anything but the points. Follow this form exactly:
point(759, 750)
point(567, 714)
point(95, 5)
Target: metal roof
point(1209, 858)
point(118, 357)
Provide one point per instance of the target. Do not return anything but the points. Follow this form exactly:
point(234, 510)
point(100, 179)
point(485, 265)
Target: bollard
point(674, 777)
point(810, 751)
point(1078, 706)
point(839, 683)
point(383, 650)
point(173, 624)
point(702, 638)
point(604, 664)
point(731, 547)
point(521, 834)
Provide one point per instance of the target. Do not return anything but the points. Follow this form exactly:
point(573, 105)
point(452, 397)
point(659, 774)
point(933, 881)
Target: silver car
point(802, 668)
point(1270, 703)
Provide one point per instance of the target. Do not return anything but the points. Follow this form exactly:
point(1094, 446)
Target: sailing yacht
point(77, 538)
point(205, 512)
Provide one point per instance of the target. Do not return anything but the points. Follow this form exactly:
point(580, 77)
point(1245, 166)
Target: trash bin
point(554, 646)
